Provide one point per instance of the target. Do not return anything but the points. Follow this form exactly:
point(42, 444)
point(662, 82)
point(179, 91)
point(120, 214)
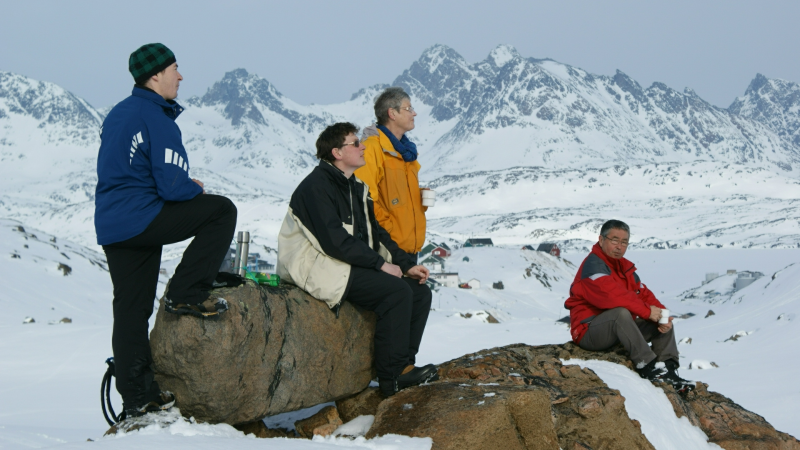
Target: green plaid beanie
point(149, 60)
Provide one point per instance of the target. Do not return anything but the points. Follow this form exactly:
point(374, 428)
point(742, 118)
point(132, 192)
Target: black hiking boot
point(681, 385)
point(651, 372)
point(164, 402)
point(211, 308)
point(413, 377)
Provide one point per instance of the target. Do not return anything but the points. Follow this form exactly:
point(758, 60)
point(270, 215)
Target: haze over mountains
point(521, 149)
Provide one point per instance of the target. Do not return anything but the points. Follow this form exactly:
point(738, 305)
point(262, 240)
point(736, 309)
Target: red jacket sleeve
point(605, 293)
point(648, 297)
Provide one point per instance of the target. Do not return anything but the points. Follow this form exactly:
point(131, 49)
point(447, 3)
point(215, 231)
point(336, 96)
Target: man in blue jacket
point(144, 200)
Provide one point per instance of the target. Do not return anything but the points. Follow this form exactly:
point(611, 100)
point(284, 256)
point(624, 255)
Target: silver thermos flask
point(242, 251)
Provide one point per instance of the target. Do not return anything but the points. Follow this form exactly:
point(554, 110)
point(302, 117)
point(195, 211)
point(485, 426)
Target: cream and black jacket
point(331, 226)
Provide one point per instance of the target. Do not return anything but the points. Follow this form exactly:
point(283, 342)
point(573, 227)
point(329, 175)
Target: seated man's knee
point(620, 313)
point(401, 297)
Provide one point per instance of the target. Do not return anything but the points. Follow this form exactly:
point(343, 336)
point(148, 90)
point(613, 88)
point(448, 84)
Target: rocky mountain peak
point(758, 82)
point(245, 97)
point(773, 102)
point(60, 115)
point(436, 73)
point(502, 54)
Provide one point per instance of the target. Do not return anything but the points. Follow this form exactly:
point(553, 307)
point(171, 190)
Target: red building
point(442, 251)
point(549, 248)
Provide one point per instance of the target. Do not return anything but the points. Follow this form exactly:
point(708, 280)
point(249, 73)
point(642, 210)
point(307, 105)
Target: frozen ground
point(51, 371)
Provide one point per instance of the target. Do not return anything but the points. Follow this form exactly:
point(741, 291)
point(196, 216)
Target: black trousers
point(402, 306)
point(134, 265)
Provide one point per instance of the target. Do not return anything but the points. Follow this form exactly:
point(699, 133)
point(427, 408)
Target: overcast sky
point(324, 51)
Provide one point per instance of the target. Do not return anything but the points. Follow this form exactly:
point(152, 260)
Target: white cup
point(428, 197)
point(664, 316)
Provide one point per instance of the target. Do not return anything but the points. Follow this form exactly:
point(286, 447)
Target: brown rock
point(365, 403)
point(276, 350)
point(323, 423)
point(260, 430)
point(463, 417)
point(538, 403)
point(726, 423)
point(564, 406)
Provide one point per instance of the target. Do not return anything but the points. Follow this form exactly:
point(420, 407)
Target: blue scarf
point(406, 148)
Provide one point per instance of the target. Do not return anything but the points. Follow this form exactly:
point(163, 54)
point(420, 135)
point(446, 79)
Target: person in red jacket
point(608, 304)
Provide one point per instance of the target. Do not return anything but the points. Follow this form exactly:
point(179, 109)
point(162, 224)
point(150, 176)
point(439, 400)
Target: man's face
point(167, 82)
point(404, 117)
point(350, 155)
point(615, 244)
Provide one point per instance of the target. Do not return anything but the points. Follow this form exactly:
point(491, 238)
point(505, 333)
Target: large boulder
point(524, 397)
point(277, 349)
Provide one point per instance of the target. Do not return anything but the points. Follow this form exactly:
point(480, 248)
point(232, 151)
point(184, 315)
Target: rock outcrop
point(323, 423)
point(523, 397)
point(726, 423)
point(276, 350)
point(364, 403)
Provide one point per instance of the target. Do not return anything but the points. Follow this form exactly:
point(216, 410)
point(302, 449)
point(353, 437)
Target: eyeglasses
point(616, 241)
point(409, 109)
point(355, 143)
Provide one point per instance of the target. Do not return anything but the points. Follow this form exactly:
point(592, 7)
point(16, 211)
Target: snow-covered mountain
point(521, 149)
point(44, 113)
point(512, 111)
point(775, 103)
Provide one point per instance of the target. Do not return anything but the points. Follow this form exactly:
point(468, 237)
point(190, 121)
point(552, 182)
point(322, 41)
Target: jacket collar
point(333, 172)
point(171, 108)
point(621, 265)
point(386, 145)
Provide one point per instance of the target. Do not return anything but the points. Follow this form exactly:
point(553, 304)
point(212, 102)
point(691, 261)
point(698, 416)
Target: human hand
point(664, 327)
point(200, 183)
point(392, 269)
point(655, 313)
point(420, 273)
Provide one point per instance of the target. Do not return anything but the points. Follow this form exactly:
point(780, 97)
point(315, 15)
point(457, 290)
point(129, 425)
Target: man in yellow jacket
point(392, 170)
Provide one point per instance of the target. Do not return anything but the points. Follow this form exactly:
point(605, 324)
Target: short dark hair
point(614, 225)
point(333, 137)
point(390, 98)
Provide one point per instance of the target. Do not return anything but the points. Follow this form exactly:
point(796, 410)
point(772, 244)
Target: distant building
point(498, 285)
point(549, 248)
point(433, 263)
point(433, 284)
point(479, 242)
point(746, 278)
point(427, 249)
point(474, 283)
point(465, 259)
point(442, 251)
point(711, 276)
point(446, 279)
point(731, 271)
point(254, 263)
